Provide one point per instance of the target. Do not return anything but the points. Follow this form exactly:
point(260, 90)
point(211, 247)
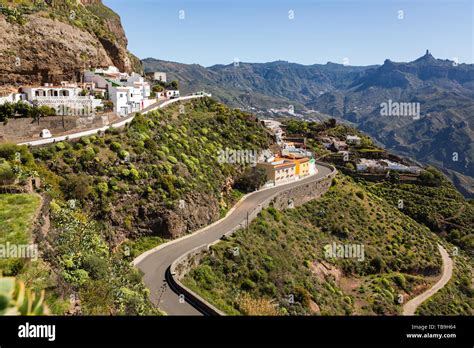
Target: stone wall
point(21, 129)
point(292, 197)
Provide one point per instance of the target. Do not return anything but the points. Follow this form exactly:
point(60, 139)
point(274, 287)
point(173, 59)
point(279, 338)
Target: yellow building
point(280, 170)
point(301, 166)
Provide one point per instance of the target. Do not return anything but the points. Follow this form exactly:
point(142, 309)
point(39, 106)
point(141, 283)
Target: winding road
point(410, 307)
point(154, 263)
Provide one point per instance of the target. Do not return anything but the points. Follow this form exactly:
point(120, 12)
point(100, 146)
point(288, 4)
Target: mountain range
point(443, 90)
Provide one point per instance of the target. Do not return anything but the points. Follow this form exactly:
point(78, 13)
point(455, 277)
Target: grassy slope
point(443, 209)
point(16, 218)
point(282, 252)
point(169, 156)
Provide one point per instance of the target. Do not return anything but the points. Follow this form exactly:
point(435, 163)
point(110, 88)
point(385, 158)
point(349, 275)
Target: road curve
point(154, 263)
point(410, 307)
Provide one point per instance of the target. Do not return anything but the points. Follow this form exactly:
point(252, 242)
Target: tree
point(76, 186)
point(331, 123)
point(7, 110)
point(7, 176)
point(174, 84)
point(252, 179)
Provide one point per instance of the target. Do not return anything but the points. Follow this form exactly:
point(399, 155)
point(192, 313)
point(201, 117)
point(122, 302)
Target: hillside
point(442, 136)
point(17, 215)
point(44, 41)
point(282, 266)
point(125, 191)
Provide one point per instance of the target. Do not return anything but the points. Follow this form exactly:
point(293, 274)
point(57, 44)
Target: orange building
point(302, 166)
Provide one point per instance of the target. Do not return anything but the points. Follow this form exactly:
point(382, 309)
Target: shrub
point(102, 187)
point(115, 146)
point(123, 154)
point(134, 174)
point(95, 266)
point(247, 284)
point(60, 146)
point(7, 176)
point(76, 186)
point(349, 165)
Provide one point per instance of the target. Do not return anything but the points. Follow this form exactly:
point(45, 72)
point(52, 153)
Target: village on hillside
point(103, 94)
point(349, 153)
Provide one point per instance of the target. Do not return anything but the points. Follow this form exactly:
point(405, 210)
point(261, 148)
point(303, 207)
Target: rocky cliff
point(53, 41)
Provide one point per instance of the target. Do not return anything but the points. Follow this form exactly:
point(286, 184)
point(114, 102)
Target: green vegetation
point(23, 110)
point(441, 208)
point(313, 131)
point(13, 15)
point(457, 297)
point(161, 158)
point(105, 281)
point(15, 299)
point(110, 191)
point(138, 246)
point(16, 218)
point(281, 258)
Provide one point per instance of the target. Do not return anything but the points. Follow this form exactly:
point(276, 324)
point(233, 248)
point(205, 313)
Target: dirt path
point(410, 307)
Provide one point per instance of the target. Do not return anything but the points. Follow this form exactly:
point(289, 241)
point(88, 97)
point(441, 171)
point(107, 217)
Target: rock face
point(50, 50)
point(44, 50)
point(194, 212)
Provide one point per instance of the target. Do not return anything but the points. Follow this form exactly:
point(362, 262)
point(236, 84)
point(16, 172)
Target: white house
point(157, 76)
point(128, 93)
point(353, 140)
point(66, 98)
point(172, 93)
point(10, 95)
point(294, 152)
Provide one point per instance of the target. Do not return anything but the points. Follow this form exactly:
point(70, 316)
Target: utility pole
point(162, 289)
point(248, 218)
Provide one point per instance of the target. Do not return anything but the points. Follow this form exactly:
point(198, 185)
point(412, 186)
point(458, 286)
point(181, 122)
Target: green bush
point(7, 176)
point(115, 146)
point(102, 188)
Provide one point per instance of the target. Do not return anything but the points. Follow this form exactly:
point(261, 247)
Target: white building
point(294, 152)
point(157, 76)
point(66, 98)
point(10, 95)
point(353, 140)
point(364, 165)
point(128, 93)
point(398, 167)
point(275, 128)
point(385, 166)
point(172, 93)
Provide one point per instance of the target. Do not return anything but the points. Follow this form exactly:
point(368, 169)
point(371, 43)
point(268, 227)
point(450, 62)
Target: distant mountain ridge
point(443, 135)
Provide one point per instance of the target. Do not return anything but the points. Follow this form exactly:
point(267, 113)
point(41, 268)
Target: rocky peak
point(427, 58)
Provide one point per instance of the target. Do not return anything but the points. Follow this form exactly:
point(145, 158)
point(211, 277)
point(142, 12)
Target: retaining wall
point(292, 197)
point(26, 128)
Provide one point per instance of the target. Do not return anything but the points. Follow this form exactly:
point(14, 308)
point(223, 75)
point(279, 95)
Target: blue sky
point(364, 31)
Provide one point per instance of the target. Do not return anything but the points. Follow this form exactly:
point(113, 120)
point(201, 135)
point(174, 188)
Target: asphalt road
point(410, 307)
point(154, 263)
point(117, 124)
